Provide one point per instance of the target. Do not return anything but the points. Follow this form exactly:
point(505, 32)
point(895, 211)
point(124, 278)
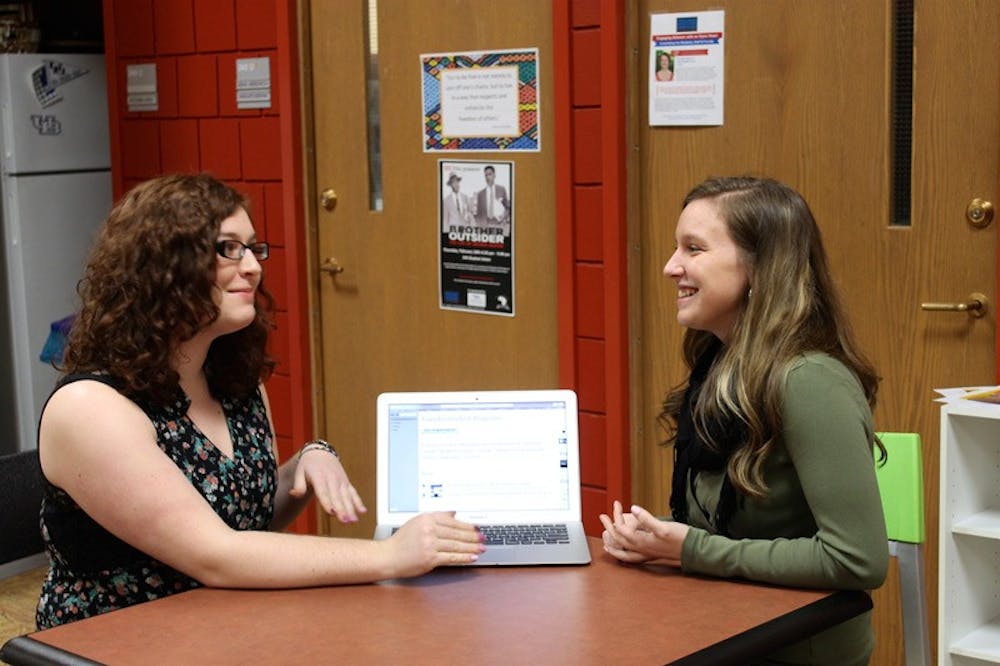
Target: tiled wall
point(591, 178)
point(195, 45)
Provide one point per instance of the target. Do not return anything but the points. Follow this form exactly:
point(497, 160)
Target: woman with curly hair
point(774, 477)
point(157, 446)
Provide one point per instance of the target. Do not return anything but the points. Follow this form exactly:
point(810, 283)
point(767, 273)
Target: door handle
point(328, 198)
point(976, 306)
point(331, 266)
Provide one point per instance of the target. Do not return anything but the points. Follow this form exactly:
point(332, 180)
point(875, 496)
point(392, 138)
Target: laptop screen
point(479, 453)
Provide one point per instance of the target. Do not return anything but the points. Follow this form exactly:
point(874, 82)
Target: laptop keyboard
point(510, 535)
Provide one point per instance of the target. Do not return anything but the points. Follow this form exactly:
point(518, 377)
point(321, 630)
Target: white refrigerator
point(55, 190)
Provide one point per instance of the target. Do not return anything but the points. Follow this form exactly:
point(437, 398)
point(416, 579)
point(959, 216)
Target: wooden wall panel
point(588, 223)
point(197, 86)
point(179, 145)
point(255, 22)
point(593, 340)
point(214, 25)
point(173, 24)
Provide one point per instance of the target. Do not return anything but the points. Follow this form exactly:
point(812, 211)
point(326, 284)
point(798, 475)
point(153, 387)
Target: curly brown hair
point(147, 288)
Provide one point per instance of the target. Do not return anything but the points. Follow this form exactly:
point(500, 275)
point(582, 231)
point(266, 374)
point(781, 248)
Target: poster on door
point(686, 63)
point(481, 101)
point(476, 225)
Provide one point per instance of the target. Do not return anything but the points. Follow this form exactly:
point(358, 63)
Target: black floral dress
point(91, 571)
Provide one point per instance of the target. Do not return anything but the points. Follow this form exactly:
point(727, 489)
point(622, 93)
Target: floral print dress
point(91, 571)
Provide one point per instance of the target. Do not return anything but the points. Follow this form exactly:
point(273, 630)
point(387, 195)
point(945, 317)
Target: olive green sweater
point(821, 525)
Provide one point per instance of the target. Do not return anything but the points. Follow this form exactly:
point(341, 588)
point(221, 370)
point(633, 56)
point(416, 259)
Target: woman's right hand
point(431, 540)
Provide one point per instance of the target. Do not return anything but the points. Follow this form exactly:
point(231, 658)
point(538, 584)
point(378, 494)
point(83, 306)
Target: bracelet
point(318, 444)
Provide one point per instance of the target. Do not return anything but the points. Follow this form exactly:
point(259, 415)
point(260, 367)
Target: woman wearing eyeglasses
point(157, 445)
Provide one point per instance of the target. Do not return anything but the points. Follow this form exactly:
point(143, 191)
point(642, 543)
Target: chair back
point(20, 504)
point(901, 484)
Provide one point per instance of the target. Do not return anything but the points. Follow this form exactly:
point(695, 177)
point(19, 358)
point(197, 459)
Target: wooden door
point(808, 97)
point(379, 324)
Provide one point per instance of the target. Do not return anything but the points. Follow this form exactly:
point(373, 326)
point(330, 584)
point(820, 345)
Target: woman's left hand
point(322, 471)
point(639, 536)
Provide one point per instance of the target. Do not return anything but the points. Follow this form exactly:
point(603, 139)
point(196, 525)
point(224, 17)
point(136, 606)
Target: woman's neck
point(189, 362)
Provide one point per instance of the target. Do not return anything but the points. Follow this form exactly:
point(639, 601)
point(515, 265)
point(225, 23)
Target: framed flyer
point(480, 101)
point(476, 225)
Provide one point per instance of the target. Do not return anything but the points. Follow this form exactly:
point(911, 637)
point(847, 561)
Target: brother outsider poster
point(476, 223)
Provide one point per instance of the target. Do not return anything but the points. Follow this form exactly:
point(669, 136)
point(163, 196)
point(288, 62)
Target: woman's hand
point(638, 537)
point(432, 540)
point(321, 470)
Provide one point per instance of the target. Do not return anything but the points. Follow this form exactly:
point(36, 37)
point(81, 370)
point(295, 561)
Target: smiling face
point(711, 272)
point(236, 280)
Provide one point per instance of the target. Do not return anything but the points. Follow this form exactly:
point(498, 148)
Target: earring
point(749, 293)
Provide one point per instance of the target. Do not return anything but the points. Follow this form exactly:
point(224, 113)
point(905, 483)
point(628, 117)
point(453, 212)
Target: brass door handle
point(976, 306)
point(331, 266)
point(328, 199)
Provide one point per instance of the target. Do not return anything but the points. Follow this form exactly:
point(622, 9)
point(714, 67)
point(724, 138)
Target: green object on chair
point(900, 482)
point(901, 485)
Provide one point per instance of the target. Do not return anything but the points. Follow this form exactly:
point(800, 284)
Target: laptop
point(507, 461)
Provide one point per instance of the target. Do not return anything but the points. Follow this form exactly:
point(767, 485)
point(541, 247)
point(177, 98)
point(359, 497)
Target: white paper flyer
point(686, 66)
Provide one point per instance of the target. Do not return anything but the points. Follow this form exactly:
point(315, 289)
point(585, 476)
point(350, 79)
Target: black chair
point(21, 547)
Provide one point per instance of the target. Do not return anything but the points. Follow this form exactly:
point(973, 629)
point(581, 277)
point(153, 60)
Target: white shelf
point(969, 544)
point(985, 524)
point(987, 410)
point(983, 643)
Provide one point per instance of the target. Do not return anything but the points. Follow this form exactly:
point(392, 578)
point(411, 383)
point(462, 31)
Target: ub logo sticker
point(46, 125)
point(48, 76)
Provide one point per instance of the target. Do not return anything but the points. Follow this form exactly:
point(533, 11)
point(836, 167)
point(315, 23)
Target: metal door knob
point(976, 306)
point(328, 199)
point(331, 266)
point(979, 213)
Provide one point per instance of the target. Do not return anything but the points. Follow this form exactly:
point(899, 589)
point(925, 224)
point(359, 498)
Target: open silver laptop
point(507, 461)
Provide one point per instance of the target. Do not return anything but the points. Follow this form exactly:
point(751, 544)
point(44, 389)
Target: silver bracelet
point(318, 444)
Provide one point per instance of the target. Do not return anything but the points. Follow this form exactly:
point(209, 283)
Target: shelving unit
point(969, 564)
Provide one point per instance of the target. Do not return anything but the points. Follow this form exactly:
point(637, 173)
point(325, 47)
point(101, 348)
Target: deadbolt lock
point(979, 213)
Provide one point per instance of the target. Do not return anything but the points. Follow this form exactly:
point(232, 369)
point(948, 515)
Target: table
point(600, 613)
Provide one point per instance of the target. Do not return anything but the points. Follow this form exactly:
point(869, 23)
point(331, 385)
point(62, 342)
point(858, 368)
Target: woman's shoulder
point(820, 370)
point(87, 396)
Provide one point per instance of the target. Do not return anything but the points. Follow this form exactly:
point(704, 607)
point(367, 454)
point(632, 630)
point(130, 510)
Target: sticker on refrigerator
point(49, 76)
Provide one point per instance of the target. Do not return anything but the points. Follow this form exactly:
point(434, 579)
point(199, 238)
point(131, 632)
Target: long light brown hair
point(147, 287)
point(793, 307)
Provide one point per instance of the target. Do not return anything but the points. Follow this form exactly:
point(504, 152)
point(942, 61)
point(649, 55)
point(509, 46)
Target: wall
point(195, 45)
point(591, 201)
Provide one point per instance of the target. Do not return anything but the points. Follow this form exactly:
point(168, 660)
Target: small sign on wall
point(686, 66)
point(253, 83)
point(140, 88)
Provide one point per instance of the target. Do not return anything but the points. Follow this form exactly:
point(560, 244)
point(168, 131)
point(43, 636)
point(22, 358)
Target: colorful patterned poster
point(481, 101)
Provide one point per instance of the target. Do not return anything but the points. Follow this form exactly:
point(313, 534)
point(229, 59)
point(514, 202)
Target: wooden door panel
point(381, 328)
point(808, 102)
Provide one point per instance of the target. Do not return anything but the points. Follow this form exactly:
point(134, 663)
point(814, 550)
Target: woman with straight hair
point(773, 477)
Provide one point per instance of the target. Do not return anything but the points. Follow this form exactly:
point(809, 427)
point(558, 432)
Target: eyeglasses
point(234, 249)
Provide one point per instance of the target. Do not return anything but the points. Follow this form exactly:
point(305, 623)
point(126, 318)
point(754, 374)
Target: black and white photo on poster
point(476, 223)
